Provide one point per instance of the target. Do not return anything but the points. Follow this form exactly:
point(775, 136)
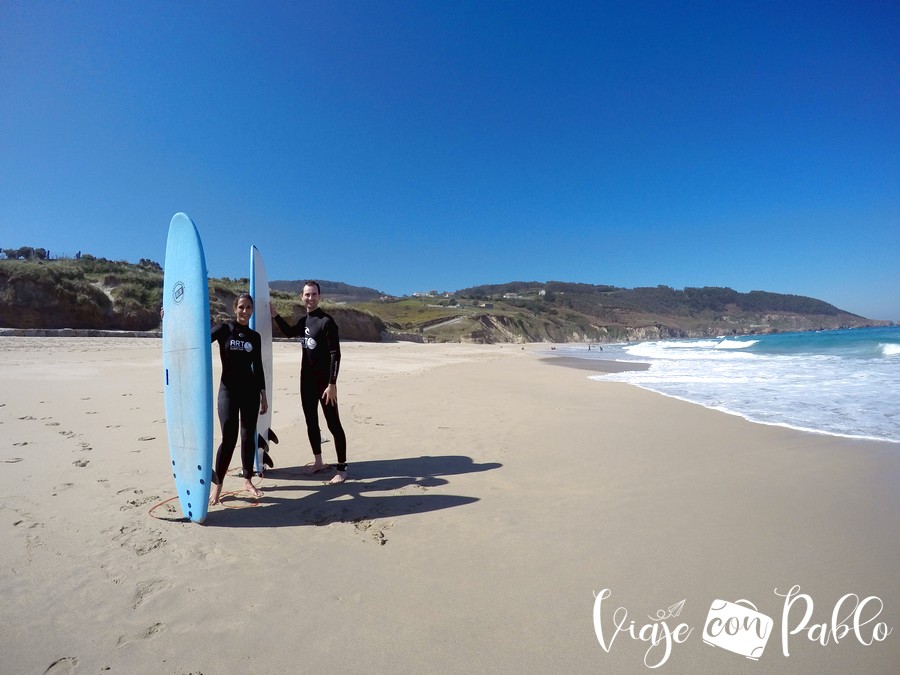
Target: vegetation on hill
point(556, 311)
point(95, 293)
point(86, 292)
point(335, 291)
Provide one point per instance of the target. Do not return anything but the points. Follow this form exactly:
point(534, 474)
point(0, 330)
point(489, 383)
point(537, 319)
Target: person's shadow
point(377, 489)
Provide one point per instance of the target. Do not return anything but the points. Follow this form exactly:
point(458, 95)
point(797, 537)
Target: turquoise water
point(843, 382)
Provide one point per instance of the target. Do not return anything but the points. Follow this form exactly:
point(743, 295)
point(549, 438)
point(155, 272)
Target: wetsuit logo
point(178, 292)
point(309, 343)
point(241, 345)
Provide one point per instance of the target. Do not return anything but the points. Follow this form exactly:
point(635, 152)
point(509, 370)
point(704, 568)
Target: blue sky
point(410, 146)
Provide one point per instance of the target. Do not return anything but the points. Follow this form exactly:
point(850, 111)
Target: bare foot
point(215, 491)
point(315, 467)
point(251, 488)
point(339, 478)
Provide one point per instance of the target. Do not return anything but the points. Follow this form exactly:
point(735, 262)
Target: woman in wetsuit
point(242, 394)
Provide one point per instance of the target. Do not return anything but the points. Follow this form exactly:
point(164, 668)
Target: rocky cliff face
point(30, 303)
point(490, 329)
point(353, 324)
point(357, 325)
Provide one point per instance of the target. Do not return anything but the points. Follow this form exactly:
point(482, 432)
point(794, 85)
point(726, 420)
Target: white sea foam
point(736, 344)
point(705, 350)
point(890, 349)
point(837, 382)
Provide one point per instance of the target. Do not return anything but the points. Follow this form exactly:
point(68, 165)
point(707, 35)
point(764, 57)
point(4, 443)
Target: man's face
point(310, 297)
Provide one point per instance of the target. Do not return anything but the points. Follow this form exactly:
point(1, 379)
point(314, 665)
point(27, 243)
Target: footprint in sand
point(147, 438)
point(152, 631)
point(374, 531)
point(52, 424)
point(147, 541)
point(28, 417)
point(26, 522)
point(21, 443)
point(67, 664)
point(145, 589)
point(136, 491)
point(81, 463)
point(33, 538)
point(141, 501)
point(137, 501)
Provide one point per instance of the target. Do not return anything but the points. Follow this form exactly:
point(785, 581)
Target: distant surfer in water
point(318, 378)
point(242, 394)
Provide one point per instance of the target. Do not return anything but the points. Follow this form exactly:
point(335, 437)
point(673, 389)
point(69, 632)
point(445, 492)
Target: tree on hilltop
point(26, 253)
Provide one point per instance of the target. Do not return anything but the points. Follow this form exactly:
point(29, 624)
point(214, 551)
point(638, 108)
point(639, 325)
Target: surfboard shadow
point(295, 499)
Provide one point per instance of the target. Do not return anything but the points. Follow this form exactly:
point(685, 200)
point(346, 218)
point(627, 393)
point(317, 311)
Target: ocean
point(840, 382)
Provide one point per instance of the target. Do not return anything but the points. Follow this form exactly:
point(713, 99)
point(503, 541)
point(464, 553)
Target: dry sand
point(491, 498)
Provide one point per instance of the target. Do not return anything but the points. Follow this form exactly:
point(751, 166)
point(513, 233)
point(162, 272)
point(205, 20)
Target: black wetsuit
point(320, 365)
point(242, 380)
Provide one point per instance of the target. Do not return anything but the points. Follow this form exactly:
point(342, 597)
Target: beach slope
point(492, 497)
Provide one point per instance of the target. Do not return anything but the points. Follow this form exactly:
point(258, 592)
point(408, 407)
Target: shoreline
point(604, 367)
point(597, 365)
point(508, 493)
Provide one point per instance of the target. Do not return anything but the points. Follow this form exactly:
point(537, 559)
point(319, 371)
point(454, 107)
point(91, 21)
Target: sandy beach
point(503, 515)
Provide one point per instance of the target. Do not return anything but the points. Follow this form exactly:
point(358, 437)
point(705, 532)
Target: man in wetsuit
point(318, 377)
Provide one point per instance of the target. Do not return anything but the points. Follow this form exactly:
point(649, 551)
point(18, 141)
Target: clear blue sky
point(411, 146)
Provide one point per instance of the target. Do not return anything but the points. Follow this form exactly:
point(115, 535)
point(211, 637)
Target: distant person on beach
point(318, 378)
point(242, 394)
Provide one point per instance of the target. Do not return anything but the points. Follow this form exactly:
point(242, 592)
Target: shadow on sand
point(292, 498)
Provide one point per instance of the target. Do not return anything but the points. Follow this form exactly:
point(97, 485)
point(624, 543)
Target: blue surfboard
point(261, 322)
point(187, 364)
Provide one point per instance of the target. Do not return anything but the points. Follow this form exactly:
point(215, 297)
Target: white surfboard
point(261, 322)
point(187, 364)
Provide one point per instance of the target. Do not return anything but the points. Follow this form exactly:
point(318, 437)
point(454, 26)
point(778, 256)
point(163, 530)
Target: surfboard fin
point(264, 444)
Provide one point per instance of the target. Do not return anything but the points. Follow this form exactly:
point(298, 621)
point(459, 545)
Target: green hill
point(99, 294)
